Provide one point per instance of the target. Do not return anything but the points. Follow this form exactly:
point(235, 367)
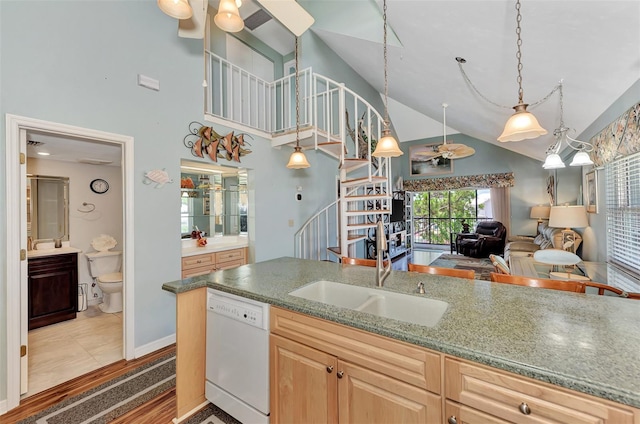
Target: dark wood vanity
point(53, 289)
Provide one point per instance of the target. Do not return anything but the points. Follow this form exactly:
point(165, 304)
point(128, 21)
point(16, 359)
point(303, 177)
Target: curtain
point(501, 205)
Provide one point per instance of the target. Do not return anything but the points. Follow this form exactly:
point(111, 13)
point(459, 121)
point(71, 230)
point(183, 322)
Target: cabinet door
point(303, 383)
point(366, 396)
point(53, 289)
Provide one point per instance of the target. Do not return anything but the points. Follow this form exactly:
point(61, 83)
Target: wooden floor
point(159, 410)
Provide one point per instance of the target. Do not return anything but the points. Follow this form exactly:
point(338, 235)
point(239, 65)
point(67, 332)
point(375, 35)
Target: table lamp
point(540, 213)
point(567, 217)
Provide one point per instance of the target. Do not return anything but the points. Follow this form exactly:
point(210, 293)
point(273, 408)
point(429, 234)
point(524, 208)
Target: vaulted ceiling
point(593, 46)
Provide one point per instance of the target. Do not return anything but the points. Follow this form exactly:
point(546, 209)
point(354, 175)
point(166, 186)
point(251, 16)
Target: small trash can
point(82, 296)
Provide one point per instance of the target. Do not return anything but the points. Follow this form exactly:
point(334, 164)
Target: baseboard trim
point(190, 413)
point(155, 345)
point(3, 407)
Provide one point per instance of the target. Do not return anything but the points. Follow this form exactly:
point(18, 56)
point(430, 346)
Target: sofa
point(547, 238)
point(489, 237)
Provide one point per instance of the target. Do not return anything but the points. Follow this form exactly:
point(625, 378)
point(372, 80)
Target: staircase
point(334, 120)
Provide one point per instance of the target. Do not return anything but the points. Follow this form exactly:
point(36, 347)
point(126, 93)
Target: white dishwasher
point(237, 367)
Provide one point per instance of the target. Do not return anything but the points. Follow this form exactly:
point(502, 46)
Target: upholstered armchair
point(489, 237)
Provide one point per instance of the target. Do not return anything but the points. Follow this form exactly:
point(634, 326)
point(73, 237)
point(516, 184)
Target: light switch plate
point(148, 82)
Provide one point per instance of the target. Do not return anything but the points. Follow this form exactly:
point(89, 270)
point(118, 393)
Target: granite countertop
point(586, 343)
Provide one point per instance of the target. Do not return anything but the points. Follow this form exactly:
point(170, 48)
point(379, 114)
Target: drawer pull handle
point(524, 408)
point(340, 374)
point(329, 369)
point(198, 261)
point(452, 420)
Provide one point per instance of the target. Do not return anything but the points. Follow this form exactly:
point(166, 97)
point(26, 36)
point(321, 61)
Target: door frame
point(16, 240)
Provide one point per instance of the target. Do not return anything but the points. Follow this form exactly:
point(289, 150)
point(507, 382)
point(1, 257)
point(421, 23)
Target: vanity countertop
point(586, 343)
point(51, 252)
point(214, 244)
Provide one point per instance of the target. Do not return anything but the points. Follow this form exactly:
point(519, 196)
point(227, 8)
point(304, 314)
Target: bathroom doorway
point(55, 136)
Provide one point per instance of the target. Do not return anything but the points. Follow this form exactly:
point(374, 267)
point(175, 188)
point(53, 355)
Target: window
point(186, 215)
point(623, 212)
point(437, 214)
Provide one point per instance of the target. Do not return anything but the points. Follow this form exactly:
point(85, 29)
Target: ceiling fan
point(450, 150)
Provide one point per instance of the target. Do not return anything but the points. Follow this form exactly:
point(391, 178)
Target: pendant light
point(387, 146)
point(452, 150)
point(522, 125)
point(297, 160)
point(179, 9)
point(228, 17)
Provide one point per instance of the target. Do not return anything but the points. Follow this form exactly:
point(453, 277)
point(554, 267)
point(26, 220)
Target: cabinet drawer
point(454, 413)
point(402, 361)
point(198, 261)
point(506, 396)
point(230, 255)
point(195, 272)
point(230, 264)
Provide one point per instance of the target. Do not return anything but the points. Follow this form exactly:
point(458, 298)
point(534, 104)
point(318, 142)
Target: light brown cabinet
point(193, 266)
point(322, 372)
point(485, 395)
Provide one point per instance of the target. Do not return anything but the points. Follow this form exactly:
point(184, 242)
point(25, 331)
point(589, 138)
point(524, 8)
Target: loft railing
point(237, 95)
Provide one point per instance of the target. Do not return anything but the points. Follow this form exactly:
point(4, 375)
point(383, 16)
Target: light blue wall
point(530, 179)
point(76, 62)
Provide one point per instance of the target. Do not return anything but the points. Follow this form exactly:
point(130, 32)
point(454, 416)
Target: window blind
point(623, 212)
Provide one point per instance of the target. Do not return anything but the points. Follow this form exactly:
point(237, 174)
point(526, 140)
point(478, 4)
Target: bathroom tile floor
point(68, 349)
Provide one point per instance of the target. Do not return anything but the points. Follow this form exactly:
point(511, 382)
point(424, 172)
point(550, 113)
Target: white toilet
point(105, 270)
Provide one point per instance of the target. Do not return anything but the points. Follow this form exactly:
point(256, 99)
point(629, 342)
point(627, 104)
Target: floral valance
point(618, 139)
point(467, 181)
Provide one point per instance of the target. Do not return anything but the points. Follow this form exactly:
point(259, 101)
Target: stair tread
point(350, 164)
point(375, 196)
point(368, 211)
point(363, 180)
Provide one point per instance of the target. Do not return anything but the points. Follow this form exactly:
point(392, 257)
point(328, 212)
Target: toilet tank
point(101, 263)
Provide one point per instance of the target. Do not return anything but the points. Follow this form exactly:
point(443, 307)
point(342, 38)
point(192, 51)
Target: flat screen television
point(397, 210)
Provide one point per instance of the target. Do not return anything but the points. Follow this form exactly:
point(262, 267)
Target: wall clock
point(99, 186)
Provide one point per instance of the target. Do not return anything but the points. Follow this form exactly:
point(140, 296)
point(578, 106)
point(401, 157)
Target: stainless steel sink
point(402, 307)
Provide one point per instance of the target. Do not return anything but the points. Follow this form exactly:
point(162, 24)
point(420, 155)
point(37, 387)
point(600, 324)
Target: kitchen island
point(585, 343)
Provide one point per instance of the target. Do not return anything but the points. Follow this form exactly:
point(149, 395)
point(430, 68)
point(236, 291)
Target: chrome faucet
point(382, 272)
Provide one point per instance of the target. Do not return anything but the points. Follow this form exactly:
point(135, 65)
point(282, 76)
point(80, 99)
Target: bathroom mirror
point(47, 207)
point(214, 199)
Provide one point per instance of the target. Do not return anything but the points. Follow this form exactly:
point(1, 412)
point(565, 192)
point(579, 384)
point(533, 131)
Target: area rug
point(482, 266)
point(116, 397)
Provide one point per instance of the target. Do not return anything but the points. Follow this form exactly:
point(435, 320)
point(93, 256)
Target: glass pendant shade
point(553, 161)
point(387, 146)
point(179, 9)
point(581, 159)
point(298, 160)
point(521, 125)
point(228, 17)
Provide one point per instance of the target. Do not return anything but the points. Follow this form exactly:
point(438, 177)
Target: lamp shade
point(553, 161)
point(521, 125)
point(574, 216)
point(387, 146)
point(298, 160)
point(228, 17)
point(581, 159)
point(179, 9)
point(540, 212)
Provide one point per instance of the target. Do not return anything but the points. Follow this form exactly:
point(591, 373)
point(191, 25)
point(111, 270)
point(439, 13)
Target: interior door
point(24, 293)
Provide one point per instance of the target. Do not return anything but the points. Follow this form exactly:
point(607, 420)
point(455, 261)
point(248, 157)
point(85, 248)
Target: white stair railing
point(318, 234)
point(343, 125)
